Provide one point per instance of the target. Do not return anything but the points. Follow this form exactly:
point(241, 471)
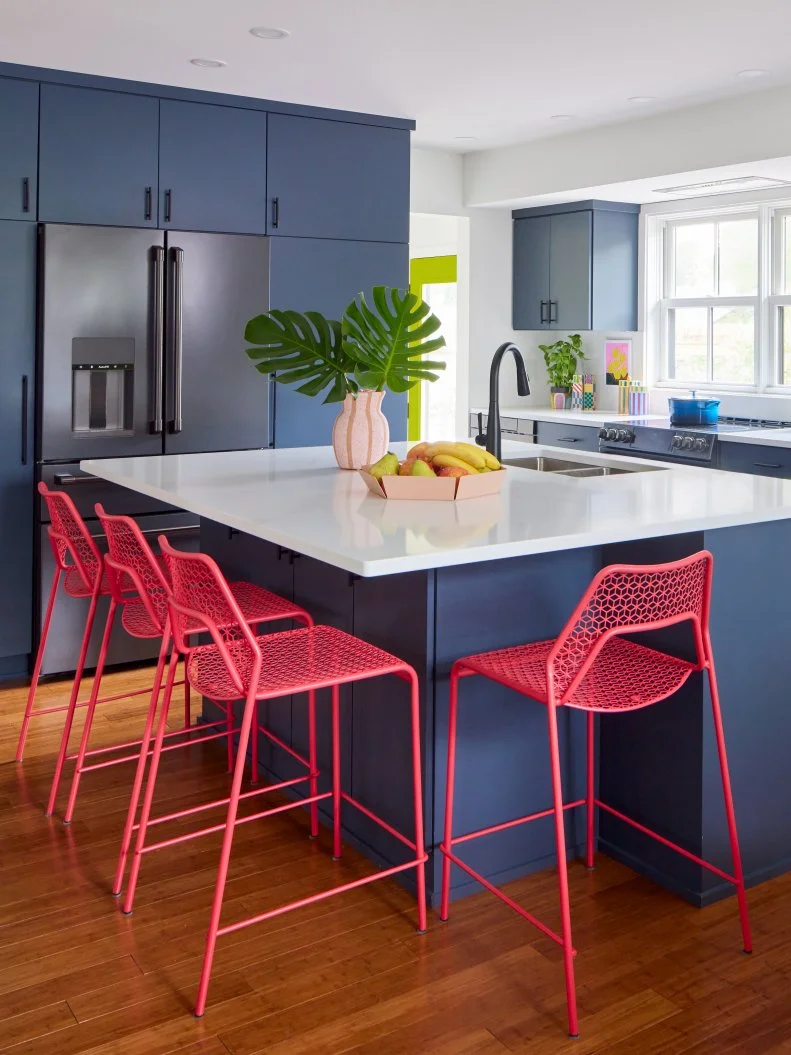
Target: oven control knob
point(700, 444)
point(675, 443)
point(624, 436)
point(612, 434)
point(686, 443)
point(602, 434)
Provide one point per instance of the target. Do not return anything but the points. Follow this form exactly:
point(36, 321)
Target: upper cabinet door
point(98, 157)
point(570, 264)
point(212, 168)
point(531, 273)
point(18, 149)
point(333, 179)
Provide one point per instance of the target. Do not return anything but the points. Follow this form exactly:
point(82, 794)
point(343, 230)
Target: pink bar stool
point(79, 566)
point(592, 667)
point(263, 668)
point(144, 615)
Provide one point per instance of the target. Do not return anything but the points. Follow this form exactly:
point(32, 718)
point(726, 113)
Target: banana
point(451, 459)
point(472, 456)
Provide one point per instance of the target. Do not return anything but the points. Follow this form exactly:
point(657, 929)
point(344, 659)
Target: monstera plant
point(380, 344)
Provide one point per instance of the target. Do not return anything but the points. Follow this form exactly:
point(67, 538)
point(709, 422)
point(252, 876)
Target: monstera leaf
point(303, 350)
point(389, 339)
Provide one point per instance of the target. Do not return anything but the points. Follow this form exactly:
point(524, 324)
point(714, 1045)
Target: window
point(722, 290)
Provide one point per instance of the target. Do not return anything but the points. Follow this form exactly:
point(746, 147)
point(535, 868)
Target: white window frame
point(657, 263)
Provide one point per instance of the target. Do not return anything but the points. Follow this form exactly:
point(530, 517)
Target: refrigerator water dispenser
point(103, 371)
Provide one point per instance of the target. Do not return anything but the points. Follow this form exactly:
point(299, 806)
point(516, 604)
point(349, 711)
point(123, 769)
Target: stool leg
point(563, 879)
point(336, 774)
point(449, 792)
point(728, 795)
point(75, 691)
point(590, 809)
point(229, 730)
point(148, 798)
point(141, 766)
point(254, 747)
point(88, 724)
point(314, 769)
point(187, 701)
point(418, 797)
point(31, 696)
point(225, 854)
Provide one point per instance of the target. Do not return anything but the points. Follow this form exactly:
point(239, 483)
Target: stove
point(691, 445)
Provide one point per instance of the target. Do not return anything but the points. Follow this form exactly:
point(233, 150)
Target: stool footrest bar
point(505, 899)
point(378, 820)
point(290, 750)
point(320, 897)
point(512, 824)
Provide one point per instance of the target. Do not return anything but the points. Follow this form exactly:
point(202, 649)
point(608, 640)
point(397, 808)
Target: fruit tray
point(438, 489)
point(435, 472)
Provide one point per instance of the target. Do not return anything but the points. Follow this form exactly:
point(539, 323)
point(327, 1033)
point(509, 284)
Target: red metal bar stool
point(592, 667)
point(238, 664)
point(79, 567)
point(144, 615)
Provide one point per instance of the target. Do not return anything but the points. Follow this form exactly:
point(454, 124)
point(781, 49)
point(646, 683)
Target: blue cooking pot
point(693, 411)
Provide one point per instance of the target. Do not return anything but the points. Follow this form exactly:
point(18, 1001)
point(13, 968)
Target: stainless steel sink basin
point(563, 467)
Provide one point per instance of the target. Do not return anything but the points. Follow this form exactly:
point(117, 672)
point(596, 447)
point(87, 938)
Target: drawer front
point(573, 437)
point(756, 459)
point(87, 490)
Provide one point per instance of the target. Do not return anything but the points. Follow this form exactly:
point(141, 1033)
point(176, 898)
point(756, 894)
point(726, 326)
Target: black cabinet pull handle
point(24, 419)
point(553, 317)
point(168, 205)
point(26, 194)
point(276, 212)
point(767, 465)
point(147, 209)
point(543, 313)
point(69, 479)
point(569, 439)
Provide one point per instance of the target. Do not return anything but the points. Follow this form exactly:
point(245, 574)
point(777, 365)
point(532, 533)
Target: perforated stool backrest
point(200, 594)
point(630, 598)
point(70, 537)
point(128, 554)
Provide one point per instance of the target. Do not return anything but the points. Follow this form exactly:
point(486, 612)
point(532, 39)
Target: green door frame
point(425, 271)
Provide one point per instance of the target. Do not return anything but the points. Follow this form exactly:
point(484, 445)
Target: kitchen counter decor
point(439, 472)
point(561, 360)
point(376, 346)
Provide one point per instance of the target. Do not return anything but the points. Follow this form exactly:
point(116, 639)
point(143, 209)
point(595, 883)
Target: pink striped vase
point(361, 434)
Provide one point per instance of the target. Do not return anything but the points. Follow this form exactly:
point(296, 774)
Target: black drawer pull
point(276, 212)
point(570, 439)
point(553, 318)
point(168, 205)
point(24, 419)
point(542, 316)
point(26, 194)
point(767, 465)
point(147, 206)
point(69, 479)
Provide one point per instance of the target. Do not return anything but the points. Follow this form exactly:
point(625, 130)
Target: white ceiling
point(497, 71)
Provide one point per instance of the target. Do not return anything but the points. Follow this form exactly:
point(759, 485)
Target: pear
point(386, 466)
point(421, 468)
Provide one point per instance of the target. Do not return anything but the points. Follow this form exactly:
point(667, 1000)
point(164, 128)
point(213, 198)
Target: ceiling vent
point(718, 185)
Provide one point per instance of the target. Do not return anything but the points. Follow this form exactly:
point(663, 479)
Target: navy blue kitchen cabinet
point(314, 274)
point(212, 168)
point(98, 156)
point(333, 179)
point(17, 354)
point(18, 149)
point(575, 267)
point(575, 437)
point(755, 458)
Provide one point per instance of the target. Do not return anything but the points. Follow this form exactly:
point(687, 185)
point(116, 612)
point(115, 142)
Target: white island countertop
point(298, 498)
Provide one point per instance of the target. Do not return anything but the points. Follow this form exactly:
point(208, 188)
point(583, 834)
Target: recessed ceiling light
point(640, 100)
point(209, 64)
point(562, 117)
point(268, 32)
point(751, 75)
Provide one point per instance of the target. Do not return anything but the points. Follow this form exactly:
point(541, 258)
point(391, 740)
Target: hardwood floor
point(350, 974)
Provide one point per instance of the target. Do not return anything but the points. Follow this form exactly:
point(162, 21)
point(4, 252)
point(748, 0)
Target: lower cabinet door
point(17, 355)
point(315, 274)
point(756, 459)
point(574, 437)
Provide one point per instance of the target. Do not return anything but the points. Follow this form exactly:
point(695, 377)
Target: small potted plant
point(561, 363)
point(376, 346)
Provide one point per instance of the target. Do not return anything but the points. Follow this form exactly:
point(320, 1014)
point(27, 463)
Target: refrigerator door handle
point(178, 334)
point(159, 335)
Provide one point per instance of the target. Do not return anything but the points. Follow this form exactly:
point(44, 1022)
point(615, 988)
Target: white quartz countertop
point(298, 498)
point(760, 437)
point(568, 417)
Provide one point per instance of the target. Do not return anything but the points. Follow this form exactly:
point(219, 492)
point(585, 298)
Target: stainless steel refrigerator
point(140, 351)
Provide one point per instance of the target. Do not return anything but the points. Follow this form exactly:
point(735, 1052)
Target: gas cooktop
point(723, 424)
point(694, 444)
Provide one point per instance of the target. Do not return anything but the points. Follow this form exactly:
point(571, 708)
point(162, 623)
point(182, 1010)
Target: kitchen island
point(431, 581)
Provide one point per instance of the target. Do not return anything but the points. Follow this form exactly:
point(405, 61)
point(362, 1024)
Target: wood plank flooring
point(350, 974)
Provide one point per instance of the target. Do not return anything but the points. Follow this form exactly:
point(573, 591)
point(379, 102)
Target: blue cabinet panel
point(531, 273)
point(575, 437)
point(570, 264)
point(331, 179)
point(212, 168)
point(755, 458)
point(313, 274)
point(17, 350)
point(18, 149)
point(614, 298)
point(98, 156)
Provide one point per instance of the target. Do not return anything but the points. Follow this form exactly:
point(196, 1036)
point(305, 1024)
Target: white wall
point(436, 182)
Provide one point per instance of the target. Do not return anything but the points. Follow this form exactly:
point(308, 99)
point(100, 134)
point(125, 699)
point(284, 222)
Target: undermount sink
point(563, 467)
